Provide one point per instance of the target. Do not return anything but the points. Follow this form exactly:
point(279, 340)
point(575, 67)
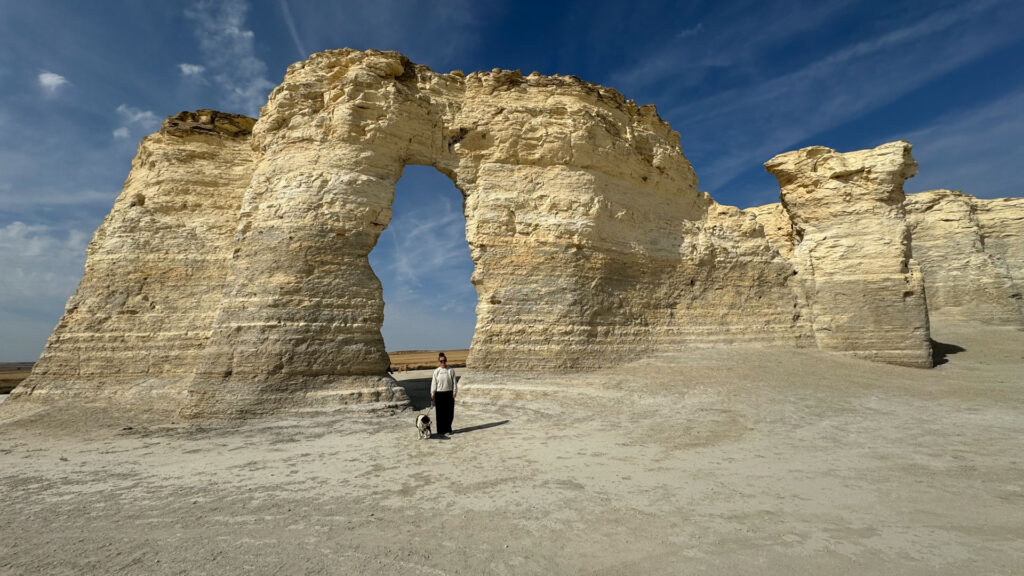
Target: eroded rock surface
point(964, 268)
point(852, 249)
point(155, 270)
point(232, 275)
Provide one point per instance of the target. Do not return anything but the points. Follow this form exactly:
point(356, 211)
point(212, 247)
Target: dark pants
point(444, 406)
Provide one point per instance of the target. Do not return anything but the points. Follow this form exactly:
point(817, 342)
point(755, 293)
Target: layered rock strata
point(232, 274)
point(1001, 224)
point(155, 270)
point(579, 211)
point(963, 261)
point(852, 248)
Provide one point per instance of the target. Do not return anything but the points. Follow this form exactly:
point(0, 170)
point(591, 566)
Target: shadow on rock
point(418, 391)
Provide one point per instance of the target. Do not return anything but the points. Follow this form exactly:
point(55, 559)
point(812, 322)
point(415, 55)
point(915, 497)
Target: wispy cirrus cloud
point(735, 128)
point(191, 70)
point(135, 121)
point(977, 151)
point(51, 82)
point(424, 265)
point(229, 53)
point(289, 21)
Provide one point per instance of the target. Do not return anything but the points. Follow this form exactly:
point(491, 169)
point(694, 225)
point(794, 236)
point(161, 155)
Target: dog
point(423, 425)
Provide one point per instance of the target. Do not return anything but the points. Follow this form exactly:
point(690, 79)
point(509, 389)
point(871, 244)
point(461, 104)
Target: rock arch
point(242, 285)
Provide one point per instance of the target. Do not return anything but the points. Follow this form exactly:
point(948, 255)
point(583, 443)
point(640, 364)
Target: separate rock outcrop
point(852, 249)
point(965, 269)
point(1001, 223)
point(231, 278)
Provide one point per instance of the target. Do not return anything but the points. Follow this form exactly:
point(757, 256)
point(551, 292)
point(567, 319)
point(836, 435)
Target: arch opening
point(423, 262)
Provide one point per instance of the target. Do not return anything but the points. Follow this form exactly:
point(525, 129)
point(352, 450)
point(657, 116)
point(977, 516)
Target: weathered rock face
point(853, 250)
point(1001, 223)
point(965, 269)
point(232, 275)
point(155, 270)
point(577, 204)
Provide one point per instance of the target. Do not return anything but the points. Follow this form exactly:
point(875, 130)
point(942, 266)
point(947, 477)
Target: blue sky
point(82, 82)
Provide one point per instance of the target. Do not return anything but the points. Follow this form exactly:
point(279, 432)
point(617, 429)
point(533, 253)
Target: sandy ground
point(736, 460)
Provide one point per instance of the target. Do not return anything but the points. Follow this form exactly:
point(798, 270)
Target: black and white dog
point(423, 425)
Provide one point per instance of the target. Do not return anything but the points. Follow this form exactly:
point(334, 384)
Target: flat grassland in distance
point(424, 359)
point(12, 373)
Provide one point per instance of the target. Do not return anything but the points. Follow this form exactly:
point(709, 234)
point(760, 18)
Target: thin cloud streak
point(290, 22)
point(752, 124)
point(977, 151)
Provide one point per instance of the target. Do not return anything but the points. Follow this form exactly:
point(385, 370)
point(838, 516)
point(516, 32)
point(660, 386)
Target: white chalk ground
point(736, 460)
point(3, 397)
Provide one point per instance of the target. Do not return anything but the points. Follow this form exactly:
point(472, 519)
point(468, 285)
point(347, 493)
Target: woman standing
point(443, 390)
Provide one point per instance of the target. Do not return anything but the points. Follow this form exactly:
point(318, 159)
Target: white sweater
point(444, 381)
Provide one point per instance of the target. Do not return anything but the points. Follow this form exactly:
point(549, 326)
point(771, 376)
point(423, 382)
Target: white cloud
point(229, 51)
point(42, 265)
point(191, 70)
point(51, 82)
point(135, 120)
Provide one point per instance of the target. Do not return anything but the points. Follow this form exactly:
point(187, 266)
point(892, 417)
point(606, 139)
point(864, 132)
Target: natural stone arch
point(332, 143)
point(590, 241)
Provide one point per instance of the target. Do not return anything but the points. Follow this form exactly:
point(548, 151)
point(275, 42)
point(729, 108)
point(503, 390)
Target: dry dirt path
point(720, 461)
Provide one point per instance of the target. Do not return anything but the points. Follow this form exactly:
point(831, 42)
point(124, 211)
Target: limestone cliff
point(155, 269)
point(852, 248)
point(964, 279)
point(231, 277)
point(1001, 224)
point(967, 264)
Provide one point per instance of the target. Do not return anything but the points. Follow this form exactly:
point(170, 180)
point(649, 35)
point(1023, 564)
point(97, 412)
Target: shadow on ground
point(479, 427)
point(939, 352)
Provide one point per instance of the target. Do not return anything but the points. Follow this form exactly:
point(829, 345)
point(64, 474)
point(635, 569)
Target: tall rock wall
point(155, 269)
point(232, 275)
point(853, 250)
point(965, 262)
point(1001, 223)
point(581, 215)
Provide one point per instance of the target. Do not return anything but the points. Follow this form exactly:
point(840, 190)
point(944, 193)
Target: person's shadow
point(479, 427)
point(939, 352)
point(418, 391)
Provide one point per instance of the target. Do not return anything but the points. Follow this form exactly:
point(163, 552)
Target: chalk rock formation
point(231, 277)
point(155, 269)
point(963, 278)
point(1001, 222)
point(853, 250)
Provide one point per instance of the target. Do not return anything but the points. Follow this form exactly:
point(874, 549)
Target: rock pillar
point(853, 250)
